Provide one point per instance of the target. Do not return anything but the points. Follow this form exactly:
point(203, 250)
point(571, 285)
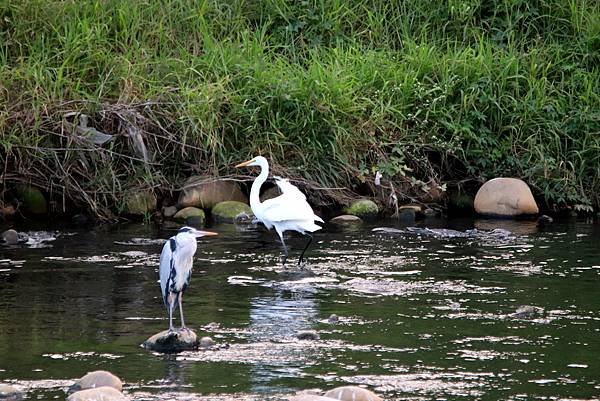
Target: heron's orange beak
point(244, 164)
point(207, 233)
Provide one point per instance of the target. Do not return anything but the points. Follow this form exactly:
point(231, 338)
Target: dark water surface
point(420, 318)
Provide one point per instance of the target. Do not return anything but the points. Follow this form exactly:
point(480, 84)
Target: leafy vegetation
point(428, 93)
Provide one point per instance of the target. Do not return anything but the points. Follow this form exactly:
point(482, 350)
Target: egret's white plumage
point(288, 212)
point(176, 262)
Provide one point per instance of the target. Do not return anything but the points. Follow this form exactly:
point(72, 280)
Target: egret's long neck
point(255, 190)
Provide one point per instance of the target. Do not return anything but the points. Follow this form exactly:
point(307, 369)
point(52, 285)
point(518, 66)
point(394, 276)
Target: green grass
point(427, 92)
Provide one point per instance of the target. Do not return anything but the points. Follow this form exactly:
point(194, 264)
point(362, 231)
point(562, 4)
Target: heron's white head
point(257, 161)
point(196, 233)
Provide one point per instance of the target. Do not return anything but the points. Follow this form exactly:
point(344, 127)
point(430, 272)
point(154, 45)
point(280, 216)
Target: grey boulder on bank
point(505, 197)
point(205, 193)
point(172, 342)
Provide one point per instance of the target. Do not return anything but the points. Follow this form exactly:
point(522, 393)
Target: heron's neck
point(255, 190)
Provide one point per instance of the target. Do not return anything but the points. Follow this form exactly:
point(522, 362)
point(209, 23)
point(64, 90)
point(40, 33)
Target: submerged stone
point(310, 397)
point(352, 393)
point(10, 237)
point(308, 335)
point(333, 319)
point(527, 312)
point(97, 394)
point(205, 193)
point(97, 378)
point(346, 219)
point(172, 341)
point(228, 211)
point(207, 342)
point(505, 197)
point(10, 393)
point(191, 215)
point(363, 208)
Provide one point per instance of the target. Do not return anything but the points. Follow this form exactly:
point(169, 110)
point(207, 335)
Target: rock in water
point(527, 312)
point(363, 208)
point(171, 342)
point(228, 211)
point(97, 378)
point(352, 393)
point(205, 193)
point(346, 219)
point(191, 215)
point(169, 211)
point(10, 237)
point(10, 393)
point(97, 394)
point(310, 397)
point(207, 342)
point(308, 335)
point(505, 197)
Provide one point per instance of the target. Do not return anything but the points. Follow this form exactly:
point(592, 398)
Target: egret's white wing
point(292, 205)
point(166, 262)
point(288, 189)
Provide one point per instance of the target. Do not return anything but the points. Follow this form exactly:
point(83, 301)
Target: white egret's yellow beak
point(244, 164)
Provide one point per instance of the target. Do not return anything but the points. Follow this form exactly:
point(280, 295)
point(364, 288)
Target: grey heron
point(288, 212)
point(176, 262)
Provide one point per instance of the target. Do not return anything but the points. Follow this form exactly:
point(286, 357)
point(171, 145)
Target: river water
point(420, 318)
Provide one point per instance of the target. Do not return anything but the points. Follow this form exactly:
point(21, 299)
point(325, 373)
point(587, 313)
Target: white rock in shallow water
point(98, 394)
point(98, 378)
point(10, 237)
point(10, 393)
point(310, 397)
point(505, 197)
point(352, 393)
point(345, 219)
point(171, 342)
point(206, 342)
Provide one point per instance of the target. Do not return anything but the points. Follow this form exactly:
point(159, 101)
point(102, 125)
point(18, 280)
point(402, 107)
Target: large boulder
point(352, 393)
point(98, 394)
point(140, 203)
point(231, 211)
point(170, 342)
point(10, 393)
point(97, 378)
point(270, 193)
point(205, 193)
point(33, 200)
point(10, 237)
point(191, 215)
point(505, 197)
point(363, 208)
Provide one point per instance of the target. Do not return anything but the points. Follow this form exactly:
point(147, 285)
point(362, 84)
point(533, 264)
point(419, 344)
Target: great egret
point(288, 212)
point(176, 262)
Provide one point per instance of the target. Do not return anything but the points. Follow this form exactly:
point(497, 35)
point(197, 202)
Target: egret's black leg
point(310, 238)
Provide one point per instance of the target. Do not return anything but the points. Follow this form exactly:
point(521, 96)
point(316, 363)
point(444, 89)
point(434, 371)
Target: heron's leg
point(310, 238)
point(181, 310)
point(171, 299)
point(285, 250)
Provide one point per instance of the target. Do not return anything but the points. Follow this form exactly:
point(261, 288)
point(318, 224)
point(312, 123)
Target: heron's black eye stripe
point(184, 230)
point(173, 244)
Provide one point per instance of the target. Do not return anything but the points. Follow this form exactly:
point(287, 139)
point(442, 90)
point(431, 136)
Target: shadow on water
point(420, 316)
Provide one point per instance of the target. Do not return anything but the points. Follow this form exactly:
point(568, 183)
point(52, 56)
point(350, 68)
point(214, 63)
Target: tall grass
point(434, 92)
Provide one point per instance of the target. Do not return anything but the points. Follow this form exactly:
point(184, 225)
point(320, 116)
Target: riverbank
point(106, 99)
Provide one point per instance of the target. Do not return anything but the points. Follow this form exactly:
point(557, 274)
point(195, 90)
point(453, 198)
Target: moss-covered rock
point(33, 200)
point(363, 208)
point(230, 211)
point(140, 203)
point(191, 215)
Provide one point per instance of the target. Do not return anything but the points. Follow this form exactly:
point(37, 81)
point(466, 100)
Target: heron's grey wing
point(166, 263)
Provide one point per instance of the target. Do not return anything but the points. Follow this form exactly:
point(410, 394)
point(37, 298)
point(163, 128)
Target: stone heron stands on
point(176, 262)
point(288, 212)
